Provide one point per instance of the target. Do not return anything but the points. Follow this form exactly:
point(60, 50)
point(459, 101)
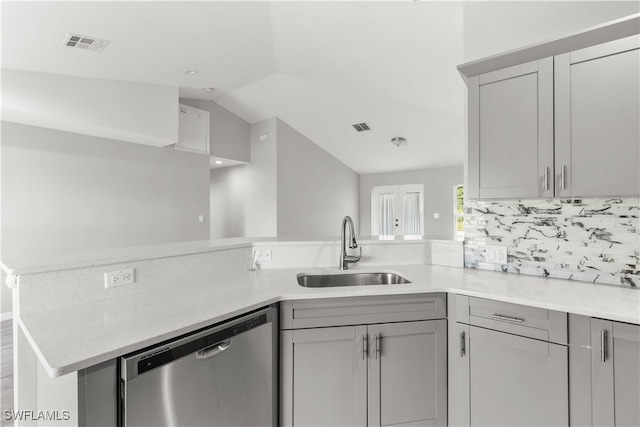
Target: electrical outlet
point(264, 255)
point(119, 278)
point(496, 254)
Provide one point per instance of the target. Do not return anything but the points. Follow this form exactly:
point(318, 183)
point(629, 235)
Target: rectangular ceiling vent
point(361, 127)
point(77, 41)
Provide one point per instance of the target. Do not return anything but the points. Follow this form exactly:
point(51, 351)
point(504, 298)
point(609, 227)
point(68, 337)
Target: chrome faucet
point(345, 259)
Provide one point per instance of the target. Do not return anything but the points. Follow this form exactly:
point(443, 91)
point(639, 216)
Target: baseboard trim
point(6, 316)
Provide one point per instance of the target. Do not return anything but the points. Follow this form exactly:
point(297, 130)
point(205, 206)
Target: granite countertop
point(77, 337)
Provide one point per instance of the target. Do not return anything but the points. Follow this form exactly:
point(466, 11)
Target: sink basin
point(349, 279)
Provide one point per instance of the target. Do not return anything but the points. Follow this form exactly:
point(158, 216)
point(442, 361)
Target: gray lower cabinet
point(508, 371)
point(407, 374)
point(516, 381)
point(374, 374)
point(615, 373)
point(324, 376)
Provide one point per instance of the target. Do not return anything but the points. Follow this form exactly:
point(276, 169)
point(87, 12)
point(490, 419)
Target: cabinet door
point(626, 378)
point(407, 374)
point(510, 151)
point(615, 373)
point(193, 130)
point(516, 381)
point(597, 101)
point(324, 377)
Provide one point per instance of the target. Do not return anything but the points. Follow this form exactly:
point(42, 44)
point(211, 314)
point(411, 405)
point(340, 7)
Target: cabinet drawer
point(532, 322)
point(361, 310)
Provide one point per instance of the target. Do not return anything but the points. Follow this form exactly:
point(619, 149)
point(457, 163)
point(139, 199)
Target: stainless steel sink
point(349, 279)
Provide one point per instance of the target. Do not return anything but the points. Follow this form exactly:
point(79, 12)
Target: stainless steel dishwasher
point(222, 376)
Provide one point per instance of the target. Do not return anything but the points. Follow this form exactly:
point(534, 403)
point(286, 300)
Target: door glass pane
point(386, 205)
point(411, 208)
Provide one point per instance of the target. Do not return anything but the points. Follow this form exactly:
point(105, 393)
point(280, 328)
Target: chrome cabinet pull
point(507, 318)
point(546, 178)
point(603, 346)
point(462, 344)
point(364, 346)
point(562, 177)
point(377, 345)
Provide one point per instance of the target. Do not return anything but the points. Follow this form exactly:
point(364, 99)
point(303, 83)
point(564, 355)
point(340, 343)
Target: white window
point(397, 210)
point(458, 210)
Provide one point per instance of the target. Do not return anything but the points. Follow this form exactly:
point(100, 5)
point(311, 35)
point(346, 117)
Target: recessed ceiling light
point(191, 72)
point(218, 162)
point(209, 89)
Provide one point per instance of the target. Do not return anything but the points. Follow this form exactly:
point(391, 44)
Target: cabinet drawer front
point(532, 322)
point(361, 310)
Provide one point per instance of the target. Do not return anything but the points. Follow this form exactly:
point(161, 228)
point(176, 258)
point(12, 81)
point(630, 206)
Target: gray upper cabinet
point(615, 373)
point(597, 130)
point(566, 124)
point(511, 132)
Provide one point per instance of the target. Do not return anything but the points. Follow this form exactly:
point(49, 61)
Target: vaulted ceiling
point(319, 66)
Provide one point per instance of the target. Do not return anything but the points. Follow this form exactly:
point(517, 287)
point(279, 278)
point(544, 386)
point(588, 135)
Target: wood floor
point(6, 370)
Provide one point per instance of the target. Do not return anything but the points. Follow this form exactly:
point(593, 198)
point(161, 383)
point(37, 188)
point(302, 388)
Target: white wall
point(66, 192)
point(229, 134)
point(292, 187)
point(315, 190)
point(261, 192)
point(134, 112)
point(227, 201)
point(492, 27)
point(438, 196)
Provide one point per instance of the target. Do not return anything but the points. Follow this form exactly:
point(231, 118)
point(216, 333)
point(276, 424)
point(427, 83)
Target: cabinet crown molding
point(609, 31)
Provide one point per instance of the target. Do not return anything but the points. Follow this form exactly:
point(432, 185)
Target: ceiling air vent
point(77, 41)
point(361, 127)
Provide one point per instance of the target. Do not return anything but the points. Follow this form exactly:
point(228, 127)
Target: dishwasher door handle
point(213, 350)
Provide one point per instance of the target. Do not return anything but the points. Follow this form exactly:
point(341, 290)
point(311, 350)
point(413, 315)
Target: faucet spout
point(346, 259)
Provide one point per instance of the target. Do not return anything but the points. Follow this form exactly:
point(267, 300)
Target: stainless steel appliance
point(225, 375)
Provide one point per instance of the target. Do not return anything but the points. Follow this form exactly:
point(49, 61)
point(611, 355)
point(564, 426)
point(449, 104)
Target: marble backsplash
point(594, 240)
